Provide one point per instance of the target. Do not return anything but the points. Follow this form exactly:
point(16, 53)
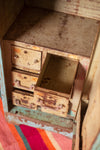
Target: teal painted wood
point(2, 83)
point(96, 145)
point(21, 120)
point(42, 116)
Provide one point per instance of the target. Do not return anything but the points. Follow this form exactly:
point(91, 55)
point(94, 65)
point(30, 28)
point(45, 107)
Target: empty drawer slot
point(56, 83)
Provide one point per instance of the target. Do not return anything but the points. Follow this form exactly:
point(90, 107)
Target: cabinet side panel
point(2, 84)
point(91, 123)
point(8, 12)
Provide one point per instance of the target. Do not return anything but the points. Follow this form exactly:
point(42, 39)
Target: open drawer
point(54, 87)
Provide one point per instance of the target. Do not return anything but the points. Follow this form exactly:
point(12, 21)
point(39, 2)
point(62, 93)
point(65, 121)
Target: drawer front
point(24, 81)
point(50, 103)
point(26, 59)
point(23, 99)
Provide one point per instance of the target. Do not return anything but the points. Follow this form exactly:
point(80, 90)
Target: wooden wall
point(87, 8)
point(91, 123)
point(9, 9)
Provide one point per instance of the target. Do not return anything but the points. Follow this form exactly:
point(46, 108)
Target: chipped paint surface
point(38, 115)
point(2, 84)
point(18, 120)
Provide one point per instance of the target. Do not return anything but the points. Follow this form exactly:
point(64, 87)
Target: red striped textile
point(23, 137)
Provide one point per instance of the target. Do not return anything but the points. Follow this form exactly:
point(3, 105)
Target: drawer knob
point(16, 56)
point(36, 61)
point(17, 101)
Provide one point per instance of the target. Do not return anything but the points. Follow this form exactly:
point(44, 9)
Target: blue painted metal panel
point(2, 84)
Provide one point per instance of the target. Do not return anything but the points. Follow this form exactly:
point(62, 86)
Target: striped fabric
point(22, 137)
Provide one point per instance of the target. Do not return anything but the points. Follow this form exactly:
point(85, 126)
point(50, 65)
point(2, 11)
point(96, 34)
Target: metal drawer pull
point(21, 86)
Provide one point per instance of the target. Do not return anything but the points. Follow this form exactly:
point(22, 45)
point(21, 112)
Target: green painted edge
point(42, 116)
point(2, 82)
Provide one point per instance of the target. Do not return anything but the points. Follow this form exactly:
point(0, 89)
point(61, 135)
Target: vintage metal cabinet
point(45, 63)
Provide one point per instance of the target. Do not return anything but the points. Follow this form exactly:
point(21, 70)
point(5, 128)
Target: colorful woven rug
point(22, 137)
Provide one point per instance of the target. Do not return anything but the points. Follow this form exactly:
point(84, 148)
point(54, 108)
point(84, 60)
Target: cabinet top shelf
point(55, 30)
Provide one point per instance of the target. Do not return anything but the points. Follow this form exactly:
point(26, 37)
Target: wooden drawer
point(55, 84)
point(26, 59)
point(23, 80)
point(51, 103)
point(23, 99)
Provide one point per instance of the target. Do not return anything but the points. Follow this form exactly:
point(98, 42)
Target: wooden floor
point(55, 30)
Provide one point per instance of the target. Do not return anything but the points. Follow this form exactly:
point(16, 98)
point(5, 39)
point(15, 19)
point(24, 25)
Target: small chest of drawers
point(46, 59)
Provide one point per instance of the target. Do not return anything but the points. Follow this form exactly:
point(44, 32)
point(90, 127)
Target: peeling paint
point(16, 120)
point(2, 84)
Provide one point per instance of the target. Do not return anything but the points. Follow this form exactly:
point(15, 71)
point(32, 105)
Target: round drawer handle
point(36, 61)
point(16, 56)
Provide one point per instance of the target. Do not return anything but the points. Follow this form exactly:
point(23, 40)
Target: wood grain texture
point(76, 145)
point(8, 13)
point(86, 8)
point(55, 30)
point(91, 124)
point(94, 63)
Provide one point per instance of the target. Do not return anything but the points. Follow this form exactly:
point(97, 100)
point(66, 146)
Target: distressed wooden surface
point(93, 68)
point(76, 136)
point(51, 103)
point(23, 99)
point(91, 124)
point(3, 93)
point(56, 76)
point(86, 8)
point(8, 13)
point(26, 59)
point(24, 80)
point(84, 63)
point(77, 90)
point(7, 66)
point(41, 120)
point(56, 30)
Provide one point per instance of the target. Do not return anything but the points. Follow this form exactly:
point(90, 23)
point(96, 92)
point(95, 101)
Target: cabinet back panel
point(86, 8)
